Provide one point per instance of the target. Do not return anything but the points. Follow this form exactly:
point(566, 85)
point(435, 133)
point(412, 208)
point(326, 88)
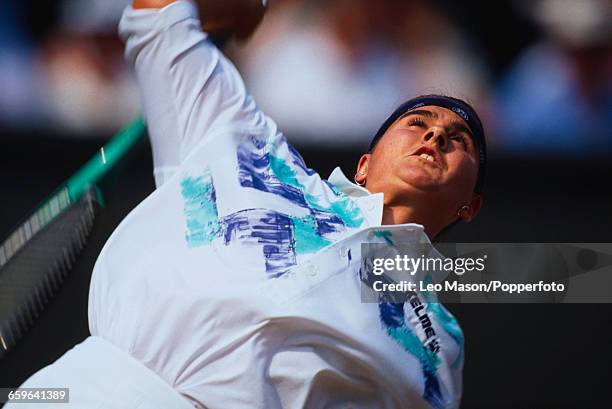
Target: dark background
point(517, 355)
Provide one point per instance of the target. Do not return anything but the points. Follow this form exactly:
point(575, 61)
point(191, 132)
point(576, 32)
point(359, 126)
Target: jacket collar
point(340, 181)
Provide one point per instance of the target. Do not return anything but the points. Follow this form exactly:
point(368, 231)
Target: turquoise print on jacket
point(200, 207)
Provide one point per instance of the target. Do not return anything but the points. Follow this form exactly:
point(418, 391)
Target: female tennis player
point(236, 283)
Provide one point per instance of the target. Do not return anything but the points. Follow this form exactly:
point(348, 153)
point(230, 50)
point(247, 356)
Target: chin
point(419, 179)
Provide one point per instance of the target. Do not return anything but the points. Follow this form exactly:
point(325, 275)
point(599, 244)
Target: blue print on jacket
point(261, 169)
point(255, 171)
point(280, 236)
point(392, 316)
point(272, 230)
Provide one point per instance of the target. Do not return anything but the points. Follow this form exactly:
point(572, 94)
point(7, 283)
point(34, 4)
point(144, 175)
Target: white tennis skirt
point(100, 375)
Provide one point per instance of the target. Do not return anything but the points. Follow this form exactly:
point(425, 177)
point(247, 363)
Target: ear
point(362, 168)
point(475, 204)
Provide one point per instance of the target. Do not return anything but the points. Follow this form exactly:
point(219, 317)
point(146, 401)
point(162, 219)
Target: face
point(426, 154)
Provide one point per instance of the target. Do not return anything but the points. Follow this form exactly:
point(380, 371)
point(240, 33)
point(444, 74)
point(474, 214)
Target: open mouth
point(428, 154)
point(427, 157)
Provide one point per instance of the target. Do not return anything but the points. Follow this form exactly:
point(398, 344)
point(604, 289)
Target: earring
point(357, 182)
point(463, 209)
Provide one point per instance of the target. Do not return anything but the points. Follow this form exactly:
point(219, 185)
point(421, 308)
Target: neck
point(428, 217)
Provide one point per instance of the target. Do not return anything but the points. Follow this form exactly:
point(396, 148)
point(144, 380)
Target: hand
point(238, 18)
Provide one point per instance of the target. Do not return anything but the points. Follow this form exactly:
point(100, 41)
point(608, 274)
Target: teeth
point(427, 157)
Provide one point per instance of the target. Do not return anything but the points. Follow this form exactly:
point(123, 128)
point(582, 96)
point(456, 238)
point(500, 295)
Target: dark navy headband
point(459, 107)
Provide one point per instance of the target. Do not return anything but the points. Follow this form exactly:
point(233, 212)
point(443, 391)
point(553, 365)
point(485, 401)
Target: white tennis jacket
point(237, 279)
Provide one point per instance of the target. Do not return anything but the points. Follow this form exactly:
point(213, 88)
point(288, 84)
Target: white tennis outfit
point(235, 284)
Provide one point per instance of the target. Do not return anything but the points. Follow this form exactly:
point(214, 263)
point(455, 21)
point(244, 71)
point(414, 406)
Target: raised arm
point(189, 90)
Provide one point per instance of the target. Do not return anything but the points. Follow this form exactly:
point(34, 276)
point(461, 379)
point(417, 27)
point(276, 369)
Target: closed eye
point(461, 138)
point(416, 122)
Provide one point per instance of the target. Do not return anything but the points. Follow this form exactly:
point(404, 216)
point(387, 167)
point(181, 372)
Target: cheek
point(462, 171)
point(398, 141)
point(386, 156)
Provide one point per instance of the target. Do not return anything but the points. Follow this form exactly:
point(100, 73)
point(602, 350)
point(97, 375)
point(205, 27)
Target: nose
point(436, 136)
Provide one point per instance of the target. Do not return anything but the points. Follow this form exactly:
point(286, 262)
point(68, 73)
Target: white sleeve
point(189, 89)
